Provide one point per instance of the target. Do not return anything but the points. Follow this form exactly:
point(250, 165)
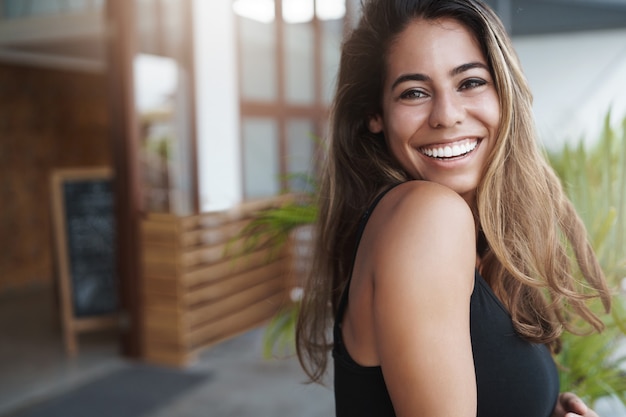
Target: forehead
point(432, 45)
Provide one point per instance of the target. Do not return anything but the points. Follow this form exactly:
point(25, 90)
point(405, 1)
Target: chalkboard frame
point(71, 324)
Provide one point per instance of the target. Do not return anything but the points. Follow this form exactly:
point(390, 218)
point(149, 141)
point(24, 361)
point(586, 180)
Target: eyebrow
point(422, 77)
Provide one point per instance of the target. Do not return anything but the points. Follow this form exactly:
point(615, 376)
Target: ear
point(375, 123)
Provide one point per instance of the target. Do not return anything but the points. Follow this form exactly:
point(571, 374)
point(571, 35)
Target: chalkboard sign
point(90, 238)
point(84, 224)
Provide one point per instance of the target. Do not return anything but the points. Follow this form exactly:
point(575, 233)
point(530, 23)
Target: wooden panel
point(170, 357)
point(156, 285)
point(243, 319)
point(233, 303)
point(167, 303)
point(164, 348)
point(161, 233)
point(161, 218)
point(161, 255)
point(228, 267)
point(243, 211)
point(155, 338)
point(161, 270)
point(204, 255)
point(91, 323)
point(215, 253)
point(233, 284)
point(160, 340)
point(199, 289)
point(163, 319)
point(48, 119)
point(219, 234)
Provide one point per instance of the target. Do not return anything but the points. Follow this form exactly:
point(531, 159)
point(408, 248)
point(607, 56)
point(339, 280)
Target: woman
point(441, 249)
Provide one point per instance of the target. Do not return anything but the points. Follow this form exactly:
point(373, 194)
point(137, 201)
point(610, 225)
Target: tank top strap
point(343, 301)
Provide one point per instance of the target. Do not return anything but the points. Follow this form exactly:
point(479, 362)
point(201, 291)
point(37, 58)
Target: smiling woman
point(442, 237)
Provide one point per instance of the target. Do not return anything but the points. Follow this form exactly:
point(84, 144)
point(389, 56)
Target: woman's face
point(440, 109)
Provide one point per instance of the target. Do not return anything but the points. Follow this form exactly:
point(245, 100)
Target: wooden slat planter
point(197, 291)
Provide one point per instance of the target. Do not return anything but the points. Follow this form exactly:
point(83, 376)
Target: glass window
point(160, 95)
point(286, 86)
point(332, 33)
point(258, 59)
point(299, 51)
point(300, 154)
point(261, 163)
point(330, 9)
point(163, 98)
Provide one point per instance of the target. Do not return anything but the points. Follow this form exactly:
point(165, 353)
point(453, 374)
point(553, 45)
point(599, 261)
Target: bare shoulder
point(421, 223)
point(428, 206)
point(427, 198)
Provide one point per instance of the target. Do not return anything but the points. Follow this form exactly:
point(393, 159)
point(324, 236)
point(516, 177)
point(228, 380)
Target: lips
point(450, 150)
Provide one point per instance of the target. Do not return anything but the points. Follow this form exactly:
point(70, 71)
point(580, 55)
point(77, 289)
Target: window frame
point(280, 109)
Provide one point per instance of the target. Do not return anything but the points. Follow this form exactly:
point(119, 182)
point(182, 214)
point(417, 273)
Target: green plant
point(275, 225)
point(594, 178)
point(280, 333)
point(592, 365)
point(273, 228)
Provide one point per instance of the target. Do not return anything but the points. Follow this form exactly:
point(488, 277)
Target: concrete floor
point(33, 362)
point(242, 383)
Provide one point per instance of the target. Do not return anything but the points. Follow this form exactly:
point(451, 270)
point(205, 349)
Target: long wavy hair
point(529, 224)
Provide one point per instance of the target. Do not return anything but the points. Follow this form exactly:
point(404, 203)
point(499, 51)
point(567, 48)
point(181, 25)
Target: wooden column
point(121, 48)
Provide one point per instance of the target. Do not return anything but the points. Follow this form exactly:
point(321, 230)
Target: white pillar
point(217, 105)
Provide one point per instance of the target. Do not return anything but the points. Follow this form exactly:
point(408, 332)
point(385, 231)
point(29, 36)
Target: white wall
point(217, 103)
point(575, 79)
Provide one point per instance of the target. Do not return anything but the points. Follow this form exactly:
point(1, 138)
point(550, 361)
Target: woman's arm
point(423, 259)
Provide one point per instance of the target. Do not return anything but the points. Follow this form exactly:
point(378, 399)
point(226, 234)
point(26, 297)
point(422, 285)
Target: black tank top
point(514, 378)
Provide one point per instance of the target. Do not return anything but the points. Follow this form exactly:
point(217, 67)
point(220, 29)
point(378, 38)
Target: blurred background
point(181, 119)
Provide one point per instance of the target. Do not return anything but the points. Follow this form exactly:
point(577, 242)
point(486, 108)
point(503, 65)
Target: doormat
point(130, 392)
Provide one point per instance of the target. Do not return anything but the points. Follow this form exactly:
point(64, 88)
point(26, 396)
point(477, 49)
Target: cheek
point(492, 119)
point(395, 143)
point(405, 121)
point(492, 111)
point(495, 117)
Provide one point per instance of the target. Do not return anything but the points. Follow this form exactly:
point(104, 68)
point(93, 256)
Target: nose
point(447, 110)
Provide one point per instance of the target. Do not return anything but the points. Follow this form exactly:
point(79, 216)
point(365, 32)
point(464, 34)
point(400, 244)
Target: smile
point(451, 150)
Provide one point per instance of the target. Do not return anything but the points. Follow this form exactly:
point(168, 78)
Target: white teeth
point(450, 151)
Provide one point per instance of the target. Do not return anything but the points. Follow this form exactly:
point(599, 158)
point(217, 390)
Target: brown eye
point(472, 83)
point(413, 94)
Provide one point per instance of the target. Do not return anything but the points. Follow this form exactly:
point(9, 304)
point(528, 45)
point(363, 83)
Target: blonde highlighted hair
point(521, 209)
